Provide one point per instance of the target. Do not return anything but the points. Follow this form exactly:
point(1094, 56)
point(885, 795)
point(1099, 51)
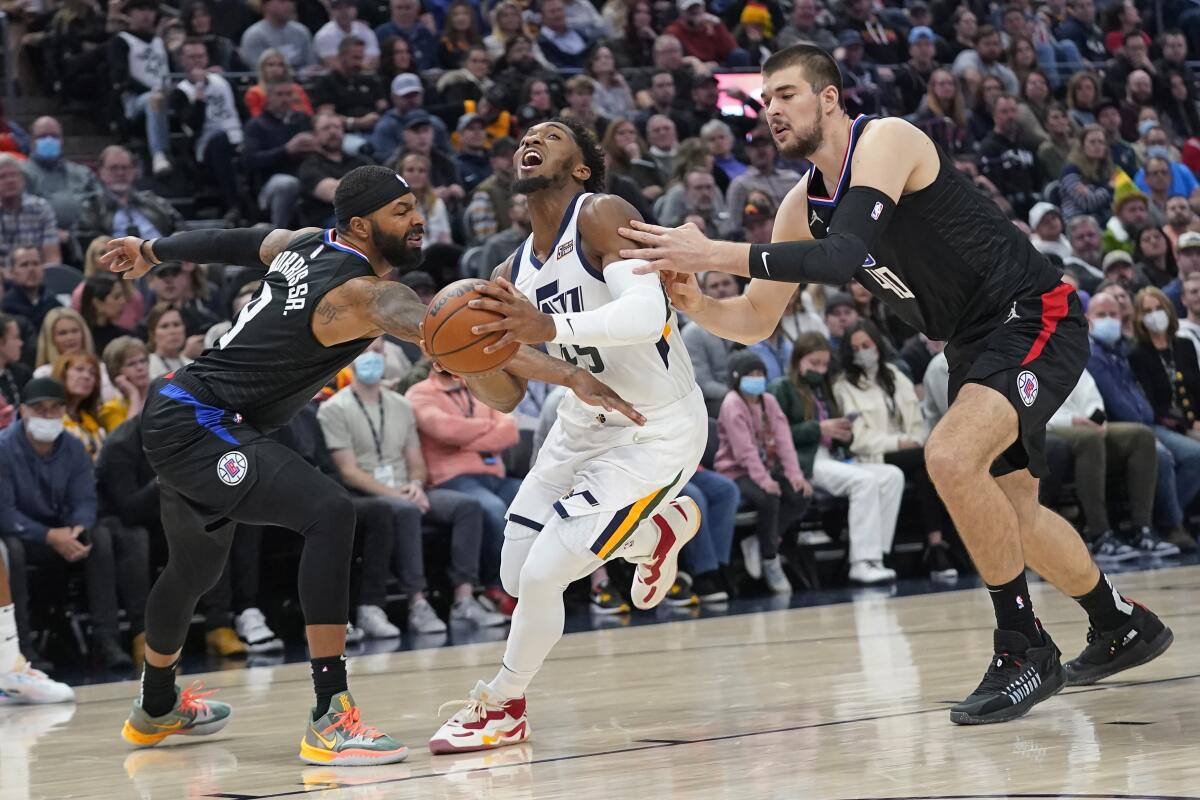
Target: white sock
point(10, 650)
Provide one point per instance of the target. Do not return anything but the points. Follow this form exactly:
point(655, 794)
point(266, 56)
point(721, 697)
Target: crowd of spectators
point(1080, 122)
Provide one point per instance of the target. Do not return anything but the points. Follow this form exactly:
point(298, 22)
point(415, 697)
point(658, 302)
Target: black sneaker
point(939, 562)
point(109, 653)
point(605, 601)
point(708, 587)
point(680, 594)
point(1108, 549)
point(1149, 543)
point(1144, 638)
point(1019, 677)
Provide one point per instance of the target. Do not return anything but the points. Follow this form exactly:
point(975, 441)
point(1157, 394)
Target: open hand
point(682, 249)
point(593, 392)
point(522, 321)
point(124, 255)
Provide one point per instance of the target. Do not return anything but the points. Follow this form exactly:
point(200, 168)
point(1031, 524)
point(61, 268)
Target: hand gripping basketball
point(520, 320)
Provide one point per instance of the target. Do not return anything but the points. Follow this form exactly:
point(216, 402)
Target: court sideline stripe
point(768, 732)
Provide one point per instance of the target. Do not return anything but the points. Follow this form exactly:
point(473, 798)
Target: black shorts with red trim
point(1034, 358)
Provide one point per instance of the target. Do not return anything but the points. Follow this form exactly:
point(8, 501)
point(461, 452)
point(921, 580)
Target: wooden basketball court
point(833, 702)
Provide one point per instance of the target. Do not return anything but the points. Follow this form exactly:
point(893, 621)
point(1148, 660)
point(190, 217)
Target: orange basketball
point(448, 336)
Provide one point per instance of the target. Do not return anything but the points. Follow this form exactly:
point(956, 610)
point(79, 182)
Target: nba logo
point(876, 211)
point(232, 468)
point(1027, 387)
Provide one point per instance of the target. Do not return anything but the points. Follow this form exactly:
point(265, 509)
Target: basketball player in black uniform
point(324, 298)
point(884, 206)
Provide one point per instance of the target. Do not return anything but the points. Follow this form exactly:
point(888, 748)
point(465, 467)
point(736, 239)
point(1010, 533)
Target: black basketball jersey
point(269, 365)
point(949, 260)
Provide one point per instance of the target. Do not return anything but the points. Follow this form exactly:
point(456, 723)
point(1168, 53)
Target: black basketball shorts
point(209, 455)
point(1034, 357)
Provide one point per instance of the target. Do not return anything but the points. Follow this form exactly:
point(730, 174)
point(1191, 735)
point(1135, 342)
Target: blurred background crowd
point(144, 118)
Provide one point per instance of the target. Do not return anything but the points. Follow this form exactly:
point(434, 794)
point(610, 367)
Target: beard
point(395, 249)
point(528, 186)
point(804, 143)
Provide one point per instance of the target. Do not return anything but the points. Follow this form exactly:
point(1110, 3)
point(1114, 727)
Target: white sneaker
point(813, 538)
point(251, 627)
point(867, 572)
point(677, 523)
point(484, 723)
point(879, 565)
point(472, 611)
point(160, 164)
point(28, 686)
point(752, 555)
point(422, 619)
point(375, 623)
point(354, 635)
point(777, 581)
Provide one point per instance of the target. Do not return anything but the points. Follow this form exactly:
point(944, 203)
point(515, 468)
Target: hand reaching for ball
point(521, 322)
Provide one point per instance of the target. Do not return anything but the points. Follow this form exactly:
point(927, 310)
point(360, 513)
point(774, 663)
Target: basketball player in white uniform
point(602, 487)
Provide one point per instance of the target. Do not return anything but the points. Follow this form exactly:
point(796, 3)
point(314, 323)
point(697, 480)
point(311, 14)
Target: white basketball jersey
point(646, 375)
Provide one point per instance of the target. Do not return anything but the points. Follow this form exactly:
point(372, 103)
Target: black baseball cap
point(40, 389)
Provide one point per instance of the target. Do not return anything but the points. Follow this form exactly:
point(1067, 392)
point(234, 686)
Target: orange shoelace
point(192, 699)
point(351, 722)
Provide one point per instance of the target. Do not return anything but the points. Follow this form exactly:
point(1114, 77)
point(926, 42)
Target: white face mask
point(1156, 321)
point(44, 430)
point(867, 359)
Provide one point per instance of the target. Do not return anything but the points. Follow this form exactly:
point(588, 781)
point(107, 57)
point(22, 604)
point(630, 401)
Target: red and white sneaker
point(484, 723)
point(677, 523)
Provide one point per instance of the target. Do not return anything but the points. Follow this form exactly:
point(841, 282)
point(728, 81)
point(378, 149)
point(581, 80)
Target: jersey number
point(891, 281)
point(248, 313)
point(593, 355)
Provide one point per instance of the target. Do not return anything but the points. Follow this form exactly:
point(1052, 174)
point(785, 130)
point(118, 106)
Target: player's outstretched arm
point(245, 247)
point(636, 314)
point(891, 156)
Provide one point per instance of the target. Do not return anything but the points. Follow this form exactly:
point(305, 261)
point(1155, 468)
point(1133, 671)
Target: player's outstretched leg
point(1122, 634)
point(195, 563)
point(673, 527)
point(1025, 668)
point(494, 714)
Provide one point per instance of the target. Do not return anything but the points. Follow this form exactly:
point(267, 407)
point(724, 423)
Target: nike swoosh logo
point(569, 325)
point(330, 743)
point(173, 726)
point(766, 268)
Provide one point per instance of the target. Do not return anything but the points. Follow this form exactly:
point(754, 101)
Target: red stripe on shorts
point(1054, 308)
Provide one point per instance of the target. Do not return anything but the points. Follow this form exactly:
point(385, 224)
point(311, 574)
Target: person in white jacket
point(1102, 448)
point(889, 429)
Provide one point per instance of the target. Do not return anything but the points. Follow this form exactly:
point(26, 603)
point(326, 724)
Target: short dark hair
point(593, 155)
point(193, 41)
point(818, 66)
point(350, 41)
point(5, 321)
point(984, 32)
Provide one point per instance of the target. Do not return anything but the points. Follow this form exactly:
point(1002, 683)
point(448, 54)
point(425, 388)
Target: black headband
point(371, 200)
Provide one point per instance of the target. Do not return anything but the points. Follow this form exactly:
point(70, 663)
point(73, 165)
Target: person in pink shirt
point(756, 451)
point(462, 441)
point(704, 36)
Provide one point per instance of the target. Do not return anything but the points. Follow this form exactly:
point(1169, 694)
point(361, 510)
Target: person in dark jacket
point(48, 516)
point(277, 141)
point(1125, 401)
point(1008, 162)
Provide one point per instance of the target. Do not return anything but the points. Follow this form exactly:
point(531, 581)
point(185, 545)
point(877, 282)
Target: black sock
point(1014, 609)
point(158, 689)
point(1105, 607)
point(329, 678)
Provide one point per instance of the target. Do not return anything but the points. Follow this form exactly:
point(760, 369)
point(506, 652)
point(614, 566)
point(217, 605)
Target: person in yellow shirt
point(80, 374)
point(128, 362)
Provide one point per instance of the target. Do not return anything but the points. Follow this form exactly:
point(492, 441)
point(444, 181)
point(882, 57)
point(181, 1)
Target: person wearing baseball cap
point(703, 36)
point(1046, 223)
point(840, 314)
point(408, 95)
point(472, 159)
point(912, 79)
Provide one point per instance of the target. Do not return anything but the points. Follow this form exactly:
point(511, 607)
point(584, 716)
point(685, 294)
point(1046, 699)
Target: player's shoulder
point(889, 131)
point(606, 210)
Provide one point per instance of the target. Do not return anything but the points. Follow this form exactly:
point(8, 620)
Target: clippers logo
point(1020, 602)
point(232, 468)
point(565, 249)
point(876, 211)
point(1027, 387)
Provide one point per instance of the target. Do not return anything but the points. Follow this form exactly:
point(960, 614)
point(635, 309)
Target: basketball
point(448, 336)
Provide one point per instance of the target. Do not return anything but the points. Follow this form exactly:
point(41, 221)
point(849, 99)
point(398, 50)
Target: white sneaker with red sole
point(484, 723)
point(677, 523)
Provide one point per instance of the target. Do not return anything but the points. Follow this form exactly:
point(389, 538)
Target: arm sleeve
point(859, 220)
point(636, 315)
point(239, 246)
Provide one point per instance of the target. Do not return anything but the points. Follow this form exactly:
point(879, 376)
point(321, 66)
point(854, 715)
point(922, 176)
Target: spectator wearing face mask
point(756, 452)
point(710, 353)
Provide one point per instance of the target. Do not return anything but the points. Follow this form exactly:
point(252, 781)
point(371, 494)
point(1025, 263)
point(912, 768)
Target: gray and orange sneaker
point(341, 738)
point(192, 715)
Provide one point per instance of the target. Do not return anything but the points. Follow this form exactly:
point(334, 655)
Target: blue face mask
point(47, 148)
point(1158, 151)
point(1106, 330)
point(368, 368)
point(753, 385)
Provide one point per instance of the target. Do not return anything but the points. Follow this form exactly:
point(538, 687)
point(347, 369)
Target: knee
point(949, 465)
point(510, 577)
point(332, 516)
point(101, 539)
point(893, 479)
